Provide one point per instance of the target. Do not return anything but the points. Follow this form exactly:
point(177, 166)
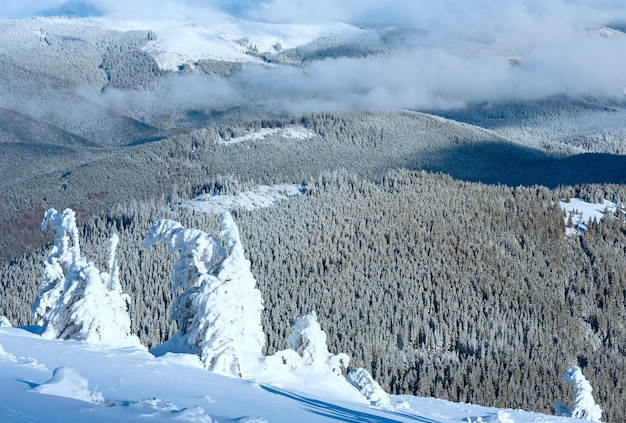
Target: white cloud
point(462, 56)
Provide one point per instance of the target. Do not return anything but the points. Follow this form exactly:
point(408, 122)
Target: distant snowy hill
point(69, 381)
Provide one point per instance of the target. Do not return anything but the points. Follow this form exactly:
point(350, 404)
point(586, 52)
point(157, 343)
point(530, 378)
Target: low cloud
point(420, 78)
point(471, 51)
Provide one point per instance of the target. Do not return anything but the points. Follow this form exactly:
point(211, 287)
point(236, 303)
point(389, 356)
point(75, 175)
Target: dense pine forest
point(442, 288)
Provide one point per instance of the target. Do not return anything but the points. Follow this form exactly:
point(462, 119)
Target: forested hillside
point(457, 290)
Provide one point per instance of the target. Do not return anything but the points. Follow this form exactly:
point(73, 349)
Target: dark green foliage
point(130, 69)
point(217, 67)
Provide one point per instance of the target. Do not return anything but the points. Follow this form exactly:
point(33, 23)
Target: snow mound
point(6, 356)
point(499, 417)
point(195, 414)
point(66, 382)
point(309, 341)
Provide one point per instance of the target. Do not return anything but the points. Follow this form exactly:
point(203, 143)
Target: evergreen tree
point(219, 311)
point(76, 300)
point(584, 407)
point(309, 341)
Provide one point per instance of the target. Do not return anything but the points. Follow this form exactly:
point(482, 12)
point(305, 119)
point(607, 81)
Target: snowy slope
point(260, 197)
point(97, 384)
point(223, 37)
point(582, 212)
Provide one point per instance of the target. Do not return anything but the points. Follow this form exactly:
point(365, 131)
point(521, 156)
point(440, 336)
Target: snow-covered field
point(294, 132)
point(69, 381)
point(582, 212)
point(260, 197)
point(95, 379)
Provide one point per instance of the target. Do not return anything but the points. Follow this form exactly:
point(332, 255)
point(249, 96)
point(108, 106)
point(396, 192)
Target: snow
point(309, 341)
point(76, 300)
point(4, 322)
point(584, 406)
point(583, 212)
point(219, 311)
point(66, 382)
point(369, 388)
point(102, 384)
point(51, 380)
point(221, 37)
point(293, 132)
point(260, 197)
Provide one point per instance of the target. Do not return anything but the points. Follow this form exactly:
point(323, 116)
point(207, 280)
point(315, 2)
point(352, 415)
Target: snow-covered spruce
point(309, 341)
point(369, 388)
point(584, 407)
point(4, 322)
point(76, 300)
point(65, 251)
point(219, 311)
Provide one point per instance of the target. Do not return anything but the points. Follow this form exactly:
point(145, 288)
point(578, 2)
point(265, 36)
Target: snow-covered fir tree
point(369, 388)
point(64, 252)
point(309, 341)
point(76, 300)
point(584, 406)
point(219, 310)
point(4, 322)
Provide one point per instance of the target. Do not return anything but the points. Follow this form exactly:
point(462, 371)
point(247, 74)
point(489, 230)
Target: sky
point(521, 17)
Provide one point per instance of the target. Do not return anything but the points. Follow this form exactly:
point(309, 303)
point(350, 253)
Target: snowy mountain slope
point(68, 381)
point(219, 37)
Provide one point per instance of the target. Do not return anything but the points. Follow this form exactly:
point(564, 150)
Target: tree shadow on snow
point(492, 162)
point(343, 414)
